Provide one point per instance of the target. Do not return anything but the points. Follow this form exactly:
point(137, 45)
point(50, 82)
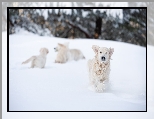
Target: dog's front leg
point(32, 64)
point(99, 87)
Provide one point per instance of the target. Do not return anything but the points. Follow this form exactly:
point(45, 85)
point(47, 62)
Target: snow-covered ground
point(64, 87)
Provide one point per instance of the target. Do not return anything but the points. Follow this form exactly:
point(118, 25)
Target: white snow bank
point(65, 86)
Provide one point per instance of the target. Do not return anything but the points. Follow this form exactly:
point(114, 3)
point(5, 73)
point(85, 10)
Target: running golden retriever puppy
point(38, 61)
point(99, 67)
point(65, 54)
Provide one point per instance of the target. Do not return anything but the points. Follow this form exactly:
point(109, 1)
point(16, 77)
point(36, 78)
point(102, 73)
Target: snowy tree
point(135, 25)
point(150, 18)
point(82, 23)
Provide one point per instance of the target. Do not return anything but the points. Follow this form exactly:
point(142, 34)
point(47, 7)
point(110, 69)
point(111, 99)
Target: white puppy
point(38, 61)
point(99, 67)
point(65, 54)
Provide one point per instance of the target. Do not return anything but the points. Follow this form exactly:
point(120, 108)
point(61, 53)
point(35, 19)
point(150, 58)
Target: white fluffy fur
point(38, 61)
point(99, 69)
point(65, 54)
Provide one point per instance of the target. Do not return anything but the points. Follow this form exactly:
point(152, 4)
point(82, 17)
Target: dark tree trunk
point(98, 27)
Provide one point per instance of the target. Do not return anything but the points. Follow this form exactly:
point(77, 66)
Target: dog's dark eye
point(100, 52)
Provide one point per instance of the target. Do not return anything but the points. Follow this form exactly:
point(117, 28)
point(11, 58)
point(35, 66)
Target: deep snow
point(127, 91)
point(64, 87)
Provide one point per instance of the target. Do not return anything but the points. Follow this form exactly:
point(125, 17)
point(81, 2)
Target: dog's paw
point(100, 88)
point(58, 62)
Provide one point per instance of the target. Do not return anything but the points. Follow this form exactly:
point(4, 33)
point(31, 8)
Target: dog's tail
point(28, 60)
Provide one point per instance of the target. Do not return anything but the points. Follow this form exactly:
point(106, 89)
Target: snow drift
point(64, 87)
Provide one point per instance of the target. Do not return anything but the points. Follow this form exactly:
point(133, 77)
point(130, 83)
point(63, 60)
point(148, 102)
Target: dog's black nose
point(103, 58)
point(54, 48)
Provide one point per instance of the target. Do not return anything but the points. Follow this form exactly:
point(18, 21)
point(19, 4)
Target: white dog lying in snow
point(65, 54)
point(38, 61)
point(99, 67)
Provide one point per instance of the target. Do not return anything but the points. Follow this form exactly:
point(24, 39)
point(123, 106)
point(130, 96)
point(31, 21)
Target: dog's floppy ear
point(61, 45)
point(95, 48)
point(41, 49)
point(66, 44)
point(111, 50)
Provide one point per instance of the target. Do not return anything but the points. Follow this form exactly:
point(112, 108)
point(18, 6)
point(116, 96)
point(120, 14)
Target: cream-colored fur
point(38, 61)
point(99, 68)
point(65, 54)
